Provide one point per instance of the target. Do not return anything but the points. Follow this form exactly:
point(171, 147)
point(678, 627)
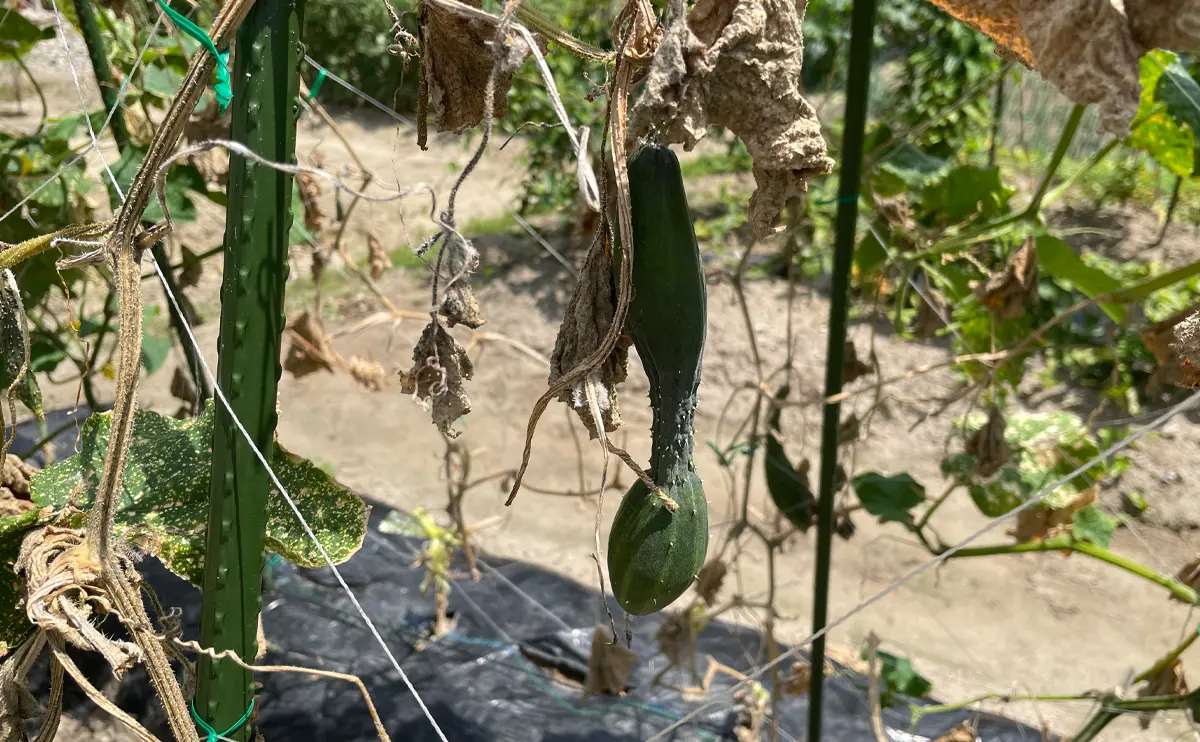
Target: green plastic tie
point(840, 200)
point(223, 89)
point(212, 735)
point(317, 83)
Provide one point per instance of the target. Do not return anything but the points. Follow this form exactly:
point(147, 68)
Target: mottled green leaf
point(1058, 259)
point(1163, 132)
point(890, 498)
point(165, 491)
point(1089, 524)
point(1008, 488)
point(14, 624)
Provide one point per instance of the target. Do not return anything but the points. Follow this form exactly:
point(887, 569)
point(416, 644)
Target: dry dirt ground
point(1031, 624)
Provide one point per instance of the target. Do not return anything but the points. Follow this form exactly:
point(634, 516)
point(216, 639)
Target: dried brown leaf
point(1190, 575)
point(14, 486)
point(728, 57)
point(1008, 292)
point(377, 257)
point(182, 387)
point(850, 428)
point(988, 446)
point(588, 318)
point(1040, 522)
point(310, 196)
point(1168, 681)
point(1175, 346)
point(964, 732)
point(1089, 49)
point(310, 350)
point(609, 665)
point(456, 61)
point(366, 372)
point(710, 579)
point(459, 306)
point(440, 366)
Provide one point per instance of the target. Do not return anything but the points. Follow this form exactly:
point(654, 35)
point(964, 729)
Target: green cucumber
point(654, 554)
point(789, 488)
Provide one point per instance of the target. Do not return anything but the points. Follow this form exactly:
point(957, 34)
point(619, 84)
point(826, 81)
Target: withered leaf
point(456, 61)
point(964, 732)
point(1168, 681)
point(377, 257)
point(1040, 522)
point(988, 446)
point(459, 306)
point(1175, 346)
point(182, 387)
point(1007, 292)
point(309, 186)
point(587, 320)
point(440, 366)
point(727, 57)
point(310, 350)
point(609, 665)
point(710, 579)
point(1088, 49)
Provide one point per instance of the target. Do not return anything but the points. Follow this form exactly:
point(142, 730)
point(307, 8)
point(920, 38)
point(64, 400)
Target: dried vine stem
point(121, 247)
point(636, 45)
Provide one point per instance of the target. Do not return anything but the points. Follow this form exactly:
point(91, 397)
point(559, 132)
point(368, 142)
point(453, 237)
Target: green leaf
point(181, 180)
point(958, 465)
point(299, 234)
point(165, 491)
point(1089, 524)
point(967, 191)
point(1180, 92)
point(890, 498)
point(18, 35)
point(161, 81)
point(1056, 258)
point(1161, 134)
point(1008, 488)
point(155, 348)
point(898, 677)
point(14, 624)
point(869, 254)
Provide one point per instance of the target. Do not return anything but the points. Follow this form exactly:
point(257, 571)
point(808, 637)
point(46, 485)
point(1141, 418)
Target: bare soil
point(1012, 624)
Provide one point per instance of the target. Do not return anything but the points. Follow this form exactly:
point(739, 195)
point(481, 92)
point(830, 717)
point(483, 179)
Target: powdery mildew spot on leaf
point(728, 57)
point(165, 492)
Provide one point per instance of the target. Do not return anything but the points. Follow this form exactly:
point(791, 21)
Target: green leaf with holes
point(165, 491)
point(14, 624)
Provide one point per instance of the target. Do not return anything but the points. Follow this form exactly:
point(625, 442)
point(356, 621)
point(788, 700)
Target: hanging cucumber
point(789, 489)
point(654, 554)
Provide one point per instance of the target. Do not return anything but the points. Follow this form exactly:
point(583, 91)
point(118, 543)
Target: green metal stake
point(858, 84)
point(266, 82)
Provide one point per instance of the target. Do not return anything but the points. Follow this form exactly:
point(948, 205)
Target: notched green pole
point(266, 84)
point(858, 86)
